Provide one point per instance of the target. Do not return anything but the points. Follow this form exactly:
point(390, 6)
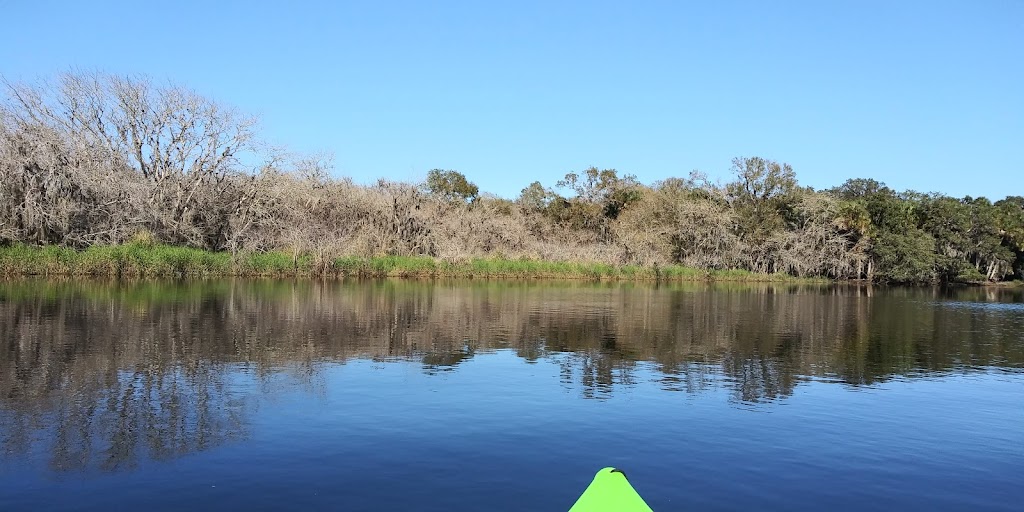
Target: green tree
point(535, 197)
point(604, 188)
point(763, 197)
point(907, 257)
point(948, 221)
point(763, 191)
point(451, 186)
point(600, 197)
point(859, 188)
point(989, 257)
point(1010, 221)
point(886, 227)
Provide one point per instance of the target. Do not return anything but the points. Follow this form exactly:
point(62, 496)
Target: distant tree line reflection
point(112, 373)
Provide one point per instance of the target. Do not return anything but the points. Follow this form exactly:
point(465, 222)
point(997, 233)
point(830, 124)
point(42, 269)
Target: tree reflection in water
point(114, 373)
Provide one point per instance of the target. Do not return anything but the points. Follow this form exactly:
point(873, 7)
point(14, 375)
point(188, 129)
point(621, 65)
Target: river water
point(493, 395)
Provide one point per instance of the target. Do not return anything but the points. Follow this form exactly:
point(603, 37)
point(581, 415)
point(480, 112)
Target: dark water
point(392, 395)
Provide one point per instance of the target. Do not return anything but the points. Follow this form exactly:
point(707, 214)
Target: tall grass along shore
point(139, 259)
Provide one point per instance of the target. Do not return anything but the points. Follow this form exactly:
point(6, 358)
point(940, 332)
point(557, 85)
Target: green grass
point(146, 259)
point(131, 260)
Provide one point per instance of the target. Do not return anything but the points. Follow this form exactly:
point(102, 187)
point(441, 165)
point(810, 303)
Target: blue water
point(291, 408)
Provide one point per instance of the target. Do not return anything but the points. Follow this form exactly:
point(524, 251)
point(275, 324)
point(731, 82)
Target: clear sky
point(923, 95)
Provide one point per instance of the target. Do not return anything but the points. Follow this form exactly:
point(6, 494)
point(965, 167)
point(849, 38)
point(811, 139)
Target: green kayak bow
point(610, 491)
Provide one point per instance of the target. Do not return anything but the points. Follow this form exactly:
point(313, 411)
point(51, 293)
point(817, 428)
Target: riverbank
point(154, 260)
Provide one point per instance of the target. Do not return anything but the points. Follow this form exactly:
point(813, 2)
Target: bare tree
point(188, 149)
point(814, 245)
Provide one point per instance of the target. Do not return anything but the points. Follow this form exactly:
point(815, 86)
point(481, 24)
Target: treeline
point(94, 159)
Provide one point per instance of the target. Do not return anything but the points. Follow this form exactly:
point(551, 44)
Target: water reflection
point(111, 374)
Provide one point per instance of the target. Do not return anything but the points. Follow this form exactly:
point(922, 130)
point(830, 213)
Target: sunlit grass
point(142, 258)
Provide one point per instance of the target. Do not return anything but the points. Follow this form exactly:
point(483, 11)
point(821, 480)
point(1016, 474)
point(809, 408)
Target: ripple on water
point(384, 396)
point(1007, 307)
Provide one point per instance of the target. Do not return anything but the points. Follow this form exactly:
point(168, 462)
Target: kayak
point(610, 491)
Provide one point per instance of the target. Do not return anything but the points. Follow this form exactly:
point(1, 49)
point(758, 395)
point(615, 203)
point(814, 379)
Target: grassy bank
point(153, 260)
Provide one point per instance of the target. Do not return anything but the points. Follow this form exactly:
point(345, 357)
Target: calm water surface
point(402, 395)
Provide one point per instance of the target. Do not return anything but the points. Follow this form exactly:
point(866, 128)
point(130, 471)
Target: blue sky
point(921, 95)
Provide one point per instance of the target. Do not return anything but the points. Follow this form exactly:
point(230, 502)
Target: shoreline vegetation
point(112, 175)
point(146, 260)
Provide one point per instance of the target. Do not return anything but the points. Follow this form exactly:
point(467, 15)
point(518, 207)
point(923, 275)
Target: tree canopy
point(451, 185)
point(100, 159)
